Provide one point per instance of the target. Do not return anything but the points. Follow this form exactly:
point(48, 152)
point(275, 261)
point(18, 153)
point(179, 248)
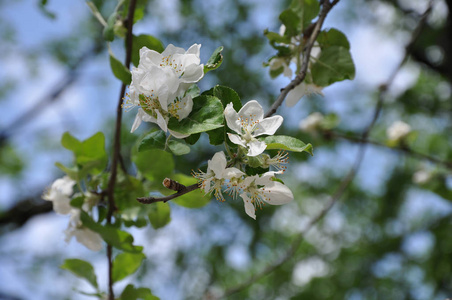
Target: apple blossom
point(278, 162)
point(312, 122)
point(217, 173)
point(59, 194)
point(398, 131)
point(249, 123)
point(159, 84)
point(258, 190)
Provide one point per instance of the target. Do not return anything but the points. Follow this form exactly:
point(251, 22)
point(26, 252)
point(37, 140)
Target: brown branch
point(117, 145)
point(306, 55)
point(344, 184)
point(182, 191)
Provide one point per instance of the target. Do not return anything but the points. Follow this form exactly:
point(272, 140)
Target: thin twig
point(183, 191)
point(117, 145)
point(404, 149)
point(306, 55)
point(344, 184)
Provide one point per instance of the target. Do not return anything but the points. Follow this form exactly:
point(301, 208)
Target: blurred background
point(389, 237)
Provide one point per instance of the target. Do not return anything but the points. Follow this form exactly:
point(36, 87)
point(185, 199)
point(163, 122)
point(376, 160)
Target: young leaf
point(207, 114)
point(306, 11)
point(292, 22)
point(334, 64)
point(192, 139)
point(332, 37)
point(153, 140)
point(144, 40)
point(109, 32)
point(286, 143)
point(178, 147)
point(194, 199)
point(214, 61)
point(132, 293)
point(159, 215)
point(126, 264)
point(119, 70)
point(155, 165)
point(81, 269)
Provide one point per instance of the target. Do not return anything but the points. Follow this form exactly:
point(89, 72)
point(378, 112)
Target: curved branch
point(181, 191)
point(306, 55)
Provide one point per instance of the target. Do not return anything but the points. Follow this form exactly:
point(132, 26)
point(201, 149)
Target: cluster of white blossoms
point(398, 131)
point(159, 85)
point(254, 190)
point(60, 194)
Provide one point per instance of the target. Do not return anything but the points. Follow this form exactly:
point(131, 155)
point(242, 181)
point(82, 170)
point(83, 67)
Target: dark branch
point(182, 191)
point(306, 55)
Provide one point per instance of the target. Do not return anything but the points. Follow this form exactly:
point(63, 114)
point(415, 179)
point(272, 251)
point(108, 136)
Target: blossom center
point(170, 62)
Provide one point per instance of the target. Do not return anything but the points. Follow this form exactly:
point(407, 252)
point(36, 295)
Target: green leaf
point(207, 114)
point(255, 171)
point(157, 140)
point(155, 165)
point(192, 139)
point(194, 199)
point(126, 264)
point(214, 61)
point(119, 70)
point(153, 140)
point(117, 238)
point(330, 121)
point(144, 40)
point(71, 172)
point(77, 201)
point(306, 10)
point(81, 269)
point(332, 37)
point(159, 215)
point(292, 22)
point(286, 143)
point(132, 293)
point(274, 37)
point(334, 64)
point(178, 147)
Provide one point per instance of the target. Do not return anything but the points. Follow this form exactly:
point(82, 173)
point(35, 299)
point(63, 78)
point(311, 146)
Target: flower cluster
point(60, 195)
point(159, 85)
point(255, 190)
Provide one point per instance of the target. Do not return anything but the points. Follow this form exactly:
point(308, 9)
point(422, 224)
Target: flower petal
point(232, 118)
point(229, 173)
point(268, 126)
point(249, 207)
point(295, 95)
point(251, 109)
point(256, 147)
point(194, 49)
point(161, 122)
point(178, 135)
point(186, 107)
point(92, 240)
point(171, 49)
point(218, 164)
point(236, 139)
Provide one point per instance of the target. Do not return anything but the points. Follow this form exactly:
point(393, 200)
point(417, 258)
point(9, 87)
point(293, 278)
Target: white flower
point(279, 161)
point(92, 240)
point(249, 123)
point(422, 177)
point(278, 62)
point(260, 190)
point(159, 84)
point(301, 90)
point(216, 174)
point(59, 194)
point(312, 122)
point(398, 131)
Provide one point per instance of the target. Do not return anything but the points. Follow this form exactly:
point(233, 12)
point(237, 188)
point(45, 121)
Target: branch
point(404, 149)
point(117, 145)
point(345, 182)
point(327, 6)
point(182, 190)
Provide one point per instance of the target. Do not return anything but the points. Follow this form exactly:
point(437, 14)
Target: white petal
point(287, 71)
point(218, 164)
point(252, 109)
point(194, 49)
point(171, 49)
point(161, 122)
point(268, 125)
point(61, 204)
point(256, 147)
point(142, 116)
point(178, 135)
point(187, 106)
point(295, 95)
point(92, 240)
point(276, 193)
point(136, 122)
point(236, 139)
point(193, 73)
point(249, 207)
point(232, 173)
point(232, 118)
